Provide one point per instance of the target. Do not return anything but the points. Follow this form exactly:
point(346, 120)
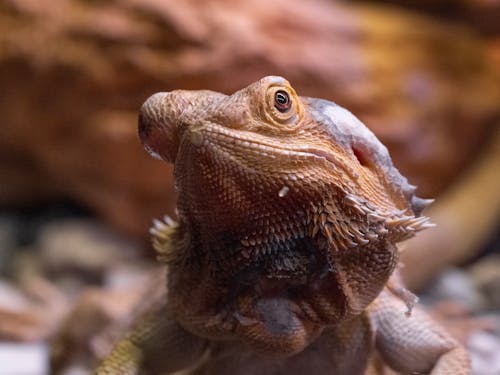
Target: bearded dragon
point(283, 259)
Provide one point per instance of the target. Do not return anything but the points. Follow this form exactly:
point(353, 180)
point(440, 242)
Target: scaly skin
point(283, 260)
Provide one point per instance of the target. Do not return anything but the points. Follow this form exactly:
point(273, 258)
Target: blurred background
point(78, 192)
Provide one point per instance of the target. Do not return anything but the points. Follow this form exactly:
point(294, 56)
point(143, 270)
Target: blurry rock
point(459, 321)
point(483, 348)
point(12, 297)
point(77, 370)
point(455, 285)
point(30, 314)
point(92, 313)
point(73, 80)
point(26, 264)
point(485, 274)
point(84, 245)
point(126, 277)
point(29, 359)
point(99, 316)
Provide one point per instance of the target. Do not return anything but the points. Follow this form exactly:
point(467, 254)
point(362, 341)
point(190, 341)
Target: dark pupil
point(282, 101)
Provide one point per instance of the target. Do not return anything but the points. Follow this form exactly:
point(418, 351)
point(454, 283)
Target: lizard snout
point(157, 127)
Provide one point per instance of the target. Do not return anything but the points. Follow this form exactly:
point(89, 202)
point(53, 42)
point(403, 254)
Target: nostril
point(362, 159)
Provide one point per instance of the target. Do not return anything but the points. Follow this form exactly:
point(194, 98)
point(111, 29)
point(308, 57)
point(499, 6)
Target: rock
point(127, 277)
point(27, 264)
point(23, 359)
point(73, 80)
point(94, 310)
point(80, 244)
point(485, 274)
point(30, 314)
point(12, 297)
point(99, 315)
point(77, 370)
point(455, 285)
point(484, 348)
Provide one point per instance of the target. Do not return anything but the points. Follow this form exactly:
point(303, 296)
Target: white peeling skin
point(153, 153)
point(349, 131)
point(353, 129)
point(284, 191)
point(196, 137)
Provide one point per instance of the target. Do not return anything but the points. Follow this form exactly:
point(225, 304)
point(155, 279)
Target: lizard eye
point(282, 105)
point(282, 101)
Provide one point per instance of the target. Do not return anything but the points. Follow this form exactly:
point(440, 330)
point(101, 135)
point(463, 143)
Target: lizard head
point(292, 190)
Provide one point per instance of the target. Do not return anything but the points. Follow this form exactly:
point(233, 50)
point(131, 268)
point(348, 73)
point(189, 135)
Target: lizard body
point(283, 260)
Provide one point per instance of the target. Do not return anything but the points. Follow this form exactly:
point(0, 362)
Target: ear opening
point(361, 156)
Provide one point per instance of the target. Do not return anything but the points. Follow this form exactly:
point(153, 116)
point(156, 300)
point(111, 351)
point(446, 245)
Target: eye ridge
point(282, 101)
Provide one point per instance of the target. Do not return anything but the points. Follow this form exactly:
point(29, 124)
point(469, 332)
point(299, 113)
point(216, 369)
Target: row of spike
point(397, 220)
point(161, 233)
